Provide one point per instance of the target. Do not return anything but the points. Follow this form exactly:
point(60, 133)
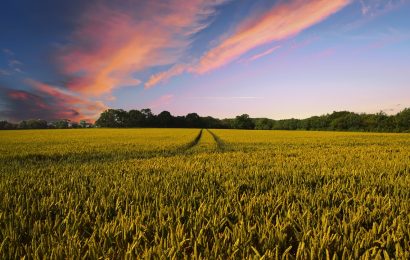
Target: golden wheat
point(186, 193)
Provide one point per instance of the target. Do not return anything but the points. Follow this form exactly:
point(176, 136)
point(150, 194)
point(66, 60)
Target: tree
point(36, 124)
point(83, 124)
point(112, 118)
point(314, 123)
point(243, 122)
point(403, 120)
point(149, 117)
point(347, 121)
point(341, 120)
point(4, 125)
point(61, 124)
point(136, 119)
point(107, 119)
point(22, 125)
point(210, 122)
point(165, 119)
point(263, 124)
point(193, 120)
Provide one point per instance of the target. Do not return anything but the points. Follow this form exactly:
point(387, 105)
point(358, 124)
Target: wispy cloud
point(281, 22)
point(14, 65)
point(47, 102)
point(8, 52)
point(161, 101)
point(262, 54)
point(86, 108)
point(4, 72)
point(164, 76)
point(324, 53)
point(381, 40)
point(377, 7)
point(113, 43)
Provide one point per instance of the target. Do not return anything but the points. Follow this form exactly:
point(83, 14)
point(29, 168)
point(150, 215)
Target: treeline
point(43, 124)
point(342, 121)
point(145, 118)
point(336, 121)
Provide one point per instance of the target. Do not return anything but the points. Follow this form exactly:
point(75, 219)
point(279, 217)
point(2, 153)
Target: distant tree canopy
point(243, 122)
point(43, 124)
point(340, 121)
point(337, 121)
point(145, 118)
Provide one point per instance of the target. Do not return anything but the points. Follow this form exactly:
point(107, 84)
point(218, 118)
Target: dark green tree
point(263, 124)
point(136, 119)
point(243, 122)
point(403, 120)
point(36, 124)
point(61, 124)
point(4, 125)
point(112, 118)
point(193, 120)
point(165, 119)
point(149, 117)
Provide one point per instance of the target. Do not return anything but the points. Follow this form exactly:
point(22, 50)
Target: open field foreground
point(191, 193)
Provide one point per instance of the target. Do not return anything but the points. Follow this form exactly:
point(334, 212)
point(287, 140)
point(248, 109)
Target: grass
point(182, 193)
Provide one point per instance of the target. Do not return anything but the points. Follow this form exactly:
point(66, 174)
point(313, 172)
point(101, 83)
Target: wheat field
point(192, 193)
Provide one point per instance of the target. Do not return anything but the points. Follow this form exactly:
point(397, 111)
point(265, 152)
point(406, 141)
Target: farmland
point(191, 193)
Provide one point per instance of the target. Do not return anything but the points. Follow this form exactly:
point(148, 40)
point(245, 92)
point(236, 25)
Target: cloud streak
point(162, 101)
point(111, 42)
point(164, 76)
point(281, 22)
point(14, 65)
point(47, 102)
point(376, 7)
point(263, 54)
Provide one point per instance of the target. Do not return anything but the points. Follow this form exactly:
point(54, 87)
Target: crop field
point(192, 193)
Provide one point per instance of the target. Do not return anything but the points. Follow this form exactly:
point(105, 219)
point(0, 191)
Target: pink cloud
point(110, 44)
point(165, 75)
point(260, 55)
point(281, 22)
point(21, 105)
point(324, 54)
point(18, 95)
point(162, 101)
point(66, 101)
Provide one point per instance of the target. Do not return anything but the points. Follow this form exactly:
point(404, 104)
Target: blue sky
point(276, 59)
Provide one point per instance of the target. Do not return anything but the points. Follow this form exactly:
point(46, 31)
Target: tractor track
point(193, 142)
point(86, 157)
point(221, 145)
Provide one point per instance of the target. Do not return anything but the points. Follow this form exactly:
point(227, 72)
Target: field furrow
point(128, 144)
point(205, 144)
point(222, 145)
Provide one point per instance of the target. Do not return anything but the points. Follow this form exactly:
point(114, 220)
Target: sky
point(221, 58)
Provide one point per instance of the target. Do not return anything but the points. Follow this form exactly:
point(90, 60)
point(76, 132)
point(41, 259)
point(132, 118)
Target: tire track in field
point(193, 142)
point(221, 145)
point(85, 157)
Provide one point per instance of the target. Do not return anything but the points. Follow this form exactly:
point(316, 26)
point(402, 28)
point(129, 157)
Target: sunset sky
point(277, 59)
